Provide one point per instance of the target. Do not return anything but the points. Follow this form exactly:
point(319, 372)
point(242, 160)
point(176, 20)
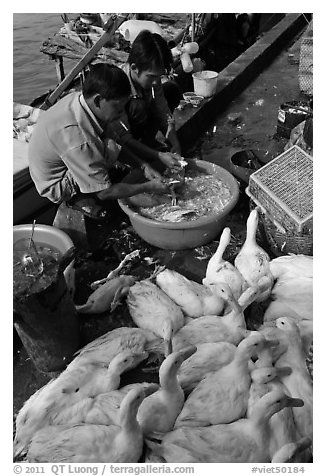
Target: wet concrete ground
point(257, 108)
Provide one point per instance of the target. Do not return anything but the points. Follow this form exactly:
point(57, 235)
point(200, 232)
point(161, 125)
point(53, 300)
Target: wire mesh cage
point(306, 63)
point(284, 189)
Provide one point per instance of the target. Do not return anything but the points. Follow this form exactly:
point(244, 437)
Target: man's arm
point(140, 149)
point(123, 190)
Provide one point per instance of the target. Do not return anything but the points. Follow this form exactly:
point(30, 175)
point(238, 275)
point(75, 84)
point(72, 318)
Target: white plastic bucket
point(51, 236)
point(205, 83)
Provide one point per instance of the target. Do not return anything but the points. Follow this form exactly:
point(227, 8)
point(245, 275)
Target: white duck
point(152, 309)
point(208, 329)
point(242, 441)
point(107, 296)
point(299, 381)
point(292, 266)
point(235, 308)
point(305, 327)
point(158, 412)
point(194, 299)
point(93, 443)
point(292, 293)
point(103, 409)
point(89, 380)
point(67, 390)
point(260, 379)
point(282, 426)
point(222, 396)
point(209, 357)
point(268, 356)
point(292, 452)
point(252, 261)
point(103, 349)
point(234, 312)
point(230, 327)
point(221, 271)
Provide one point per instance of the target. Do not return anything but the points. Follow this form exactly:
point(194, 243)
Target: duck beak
point(304, 443)
point(187, 352)
point(152, 388)
point(167, 347)
point(294, 402)
point(139, 357)
point(283, 371)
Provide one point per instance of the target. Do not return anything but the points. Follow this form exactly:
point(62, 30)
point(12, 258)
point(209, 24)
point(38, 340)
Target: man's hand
point(171, 160)
point(150, 173)
point(157, 186)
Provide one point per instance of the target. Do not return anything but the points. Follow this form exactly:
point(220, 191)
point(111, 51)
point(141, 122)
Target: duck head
point(126, 360)
point(172, 363)
point(131, 403)
point(167, 334)
point(252, 222)
point(253, 344)
point(223, 290)
point(289, 451)
point(267, 374)
point(287, 324)
point(274, 402)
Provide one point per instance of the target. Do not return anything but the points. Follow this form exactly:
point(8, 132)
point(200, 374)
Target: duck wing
point(292, 266)
point(194, 299)
point(215, 400)
point(150, 308)
point(209, 357)
point(214, 444)
point(74, 444)
point(206, 329)
point(103, 349)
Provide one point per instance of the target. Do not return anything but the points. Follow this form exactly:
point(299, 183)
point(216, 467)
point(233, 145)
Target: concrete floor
point(258, 106)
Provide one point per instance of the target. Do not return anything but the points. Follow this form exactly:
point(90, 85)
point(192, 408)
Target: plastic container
point(51, 236)
point(186, 62)
point(188, 95)
point(290, 114)
point(184, 235)
point(205, 83)
point(131, 28)
point(244, 163)
point(191, 48)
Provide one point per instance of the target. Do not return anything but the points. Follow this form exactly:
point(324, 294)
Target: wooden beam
point(110, 28)
point(59, 67)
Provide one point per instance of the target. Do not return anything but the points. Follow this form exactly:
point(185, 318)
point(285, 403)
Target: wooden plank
point(59, 67)
point(110, 28)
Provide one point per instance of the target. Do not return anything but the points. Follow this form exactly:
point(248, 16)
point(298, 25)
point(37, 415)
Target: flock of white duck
point(225, 394)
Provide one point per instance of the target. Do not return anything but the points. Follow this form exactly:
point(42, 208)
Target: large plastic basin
point(51, 236)
point(185, 235)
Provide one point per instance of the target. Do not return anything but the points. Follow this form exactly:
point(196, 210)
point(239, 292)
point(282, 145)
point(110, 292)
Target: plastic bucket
point(205, 83)
point(51, 236)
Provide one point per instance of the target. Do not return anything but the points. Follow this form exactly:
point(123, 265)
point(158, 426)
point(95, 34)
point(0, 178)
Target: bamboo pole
point(192, 27)
point(110, 28)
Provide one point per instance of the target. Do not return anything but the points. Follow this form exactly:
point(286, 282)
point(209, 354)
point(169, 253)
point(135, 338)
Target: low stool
point(72, 222)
